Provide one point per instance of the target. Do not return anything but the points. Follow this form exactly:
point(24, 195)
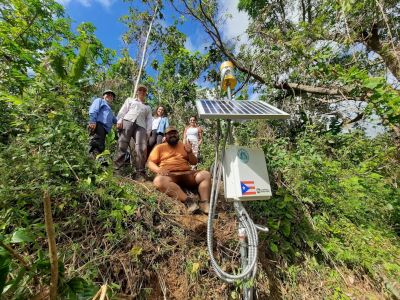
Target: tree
point(27, 30)
point(141, 33)
point(324, 56)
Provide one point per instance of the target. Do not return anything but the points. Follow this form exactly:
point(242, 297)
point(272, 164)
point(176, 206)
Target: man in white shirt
point(134, 120)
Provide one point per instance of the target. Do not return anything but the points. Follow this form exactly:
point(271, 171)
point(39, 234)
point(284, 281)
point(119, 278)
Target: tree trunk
point(144, 52)
point(391, 56)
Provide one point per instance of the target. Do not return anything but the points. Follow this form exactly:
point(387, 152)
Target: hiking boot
point(191, 205)
point(204, 206)
point(93, 154)
point(103, 161)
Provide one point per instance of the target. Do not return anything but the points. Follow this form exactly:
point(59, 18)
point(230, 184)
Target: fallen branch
point(52, 245)
point(101, 294)
point(76, 176)
point(21, 259)
point(40, 296)
point(16, 255)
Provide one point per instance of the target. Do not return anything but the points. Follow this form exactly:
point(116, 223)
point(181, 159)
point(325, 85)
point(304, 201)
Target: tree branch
point(29, 25)
point(241, 86)
point(346, 120)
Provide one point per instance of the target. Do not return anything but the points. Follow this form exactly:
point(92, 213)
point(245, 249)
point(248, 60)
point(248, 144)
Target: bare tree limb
point(346, 120)
point(76, 176)
point(328, 101)
point(21, 259)
point(144, 51)
point(242, 85)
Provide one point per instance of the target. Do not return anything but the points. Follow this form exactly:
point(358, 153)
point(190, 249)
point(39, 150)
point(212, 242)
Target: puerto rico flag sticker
point(248, 187)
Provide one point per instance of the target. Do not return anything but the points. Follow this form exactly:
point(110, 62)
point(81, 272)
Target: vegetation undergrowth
point(334, 216)
point(336, 202)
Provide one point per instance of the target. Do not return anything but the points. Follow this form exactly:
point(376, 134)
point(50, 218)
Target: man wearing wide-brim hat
point(134, 121)
point(101, 118)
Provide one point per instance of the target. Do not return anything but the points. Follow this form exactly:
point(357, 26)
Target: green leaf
point(389, 206)
point(13, 284)
point(4, 269)
point(288, 198)
point(273, 247)
point(114, 286)
point(376, 176)
point(21, 236)
point(286, 230)
point(76, 284)
point(3, 276)
point(372, 83)
point(89, 291)
point(274, 237)
point(58, 64)
point(281, 204)
point(41, 254)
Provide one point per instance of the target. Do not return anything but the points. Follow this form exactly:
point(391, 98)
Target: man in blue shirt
point(101, 119)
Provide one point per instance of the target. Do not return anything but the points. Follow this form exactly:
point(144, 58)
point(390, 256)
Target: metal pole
point(247, 291)
point(230, 137)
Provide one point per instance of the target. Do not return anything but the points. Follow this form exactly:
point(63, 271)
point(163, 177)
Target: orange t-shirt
point(170, 158)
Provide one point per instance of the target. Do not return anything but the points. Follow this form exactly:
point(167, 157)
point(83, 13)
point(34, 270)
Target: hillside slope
point(334, 221)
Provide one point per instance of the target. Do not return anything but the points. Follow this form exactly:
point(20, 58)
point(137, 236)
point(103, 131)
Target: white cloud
point(63, 2)
point(87, 3)
point(106, 3)
point(254, 96)
point(197, 42)
point(237, 25)
point(189, 45)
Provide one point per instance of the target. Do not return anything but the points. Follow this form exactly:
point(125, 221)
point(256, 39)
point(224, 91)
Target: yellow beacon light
point(227, 75)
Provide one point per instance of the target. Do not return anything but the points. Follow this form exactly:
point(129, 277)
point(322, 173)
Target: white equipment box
point(245, 174)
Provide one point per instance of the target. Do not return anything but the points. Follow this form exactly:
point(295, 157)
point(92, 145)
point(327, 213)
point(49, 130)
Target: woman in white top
point(160, 122)
point(193, 134)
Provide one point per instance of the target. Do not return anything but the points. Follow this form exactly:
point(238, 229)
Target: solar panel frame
point(238, 109)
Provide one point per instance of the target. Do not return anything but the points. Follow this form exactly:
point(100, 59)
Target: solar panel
point(238, 109)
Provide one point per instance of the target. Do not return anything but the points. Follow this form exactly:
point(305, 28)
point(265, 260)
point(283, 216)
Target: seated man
point(170, 161)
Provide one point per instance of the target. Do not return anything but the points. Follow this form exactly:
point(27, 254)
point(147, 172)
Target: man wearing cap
point(170, 161)
point(134, 120)
point(101, 118)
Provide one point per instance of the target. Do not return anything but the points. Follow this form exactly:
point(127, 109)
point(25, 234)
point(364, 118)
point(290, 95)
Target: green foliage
point(4, 269)
point(336, 196)
point(338, 203)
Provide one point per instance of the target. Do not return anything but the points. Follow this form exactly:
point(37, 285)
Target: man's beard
point(172, 143)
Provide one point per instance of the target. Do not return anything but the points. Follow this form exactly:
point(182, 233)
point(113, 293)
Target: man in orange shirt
point(170, 161)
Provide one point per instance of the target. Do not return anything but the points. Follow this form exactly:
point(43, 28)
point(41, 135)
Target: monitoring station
point(244, 171)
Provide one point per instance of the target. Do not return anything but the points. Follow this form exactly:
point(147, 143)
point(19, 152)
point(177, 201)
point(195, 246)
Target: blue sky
point(104, 14)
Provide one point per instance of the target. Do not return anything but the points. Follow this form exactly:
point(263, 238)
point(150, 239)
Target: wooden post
point(52, 245)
